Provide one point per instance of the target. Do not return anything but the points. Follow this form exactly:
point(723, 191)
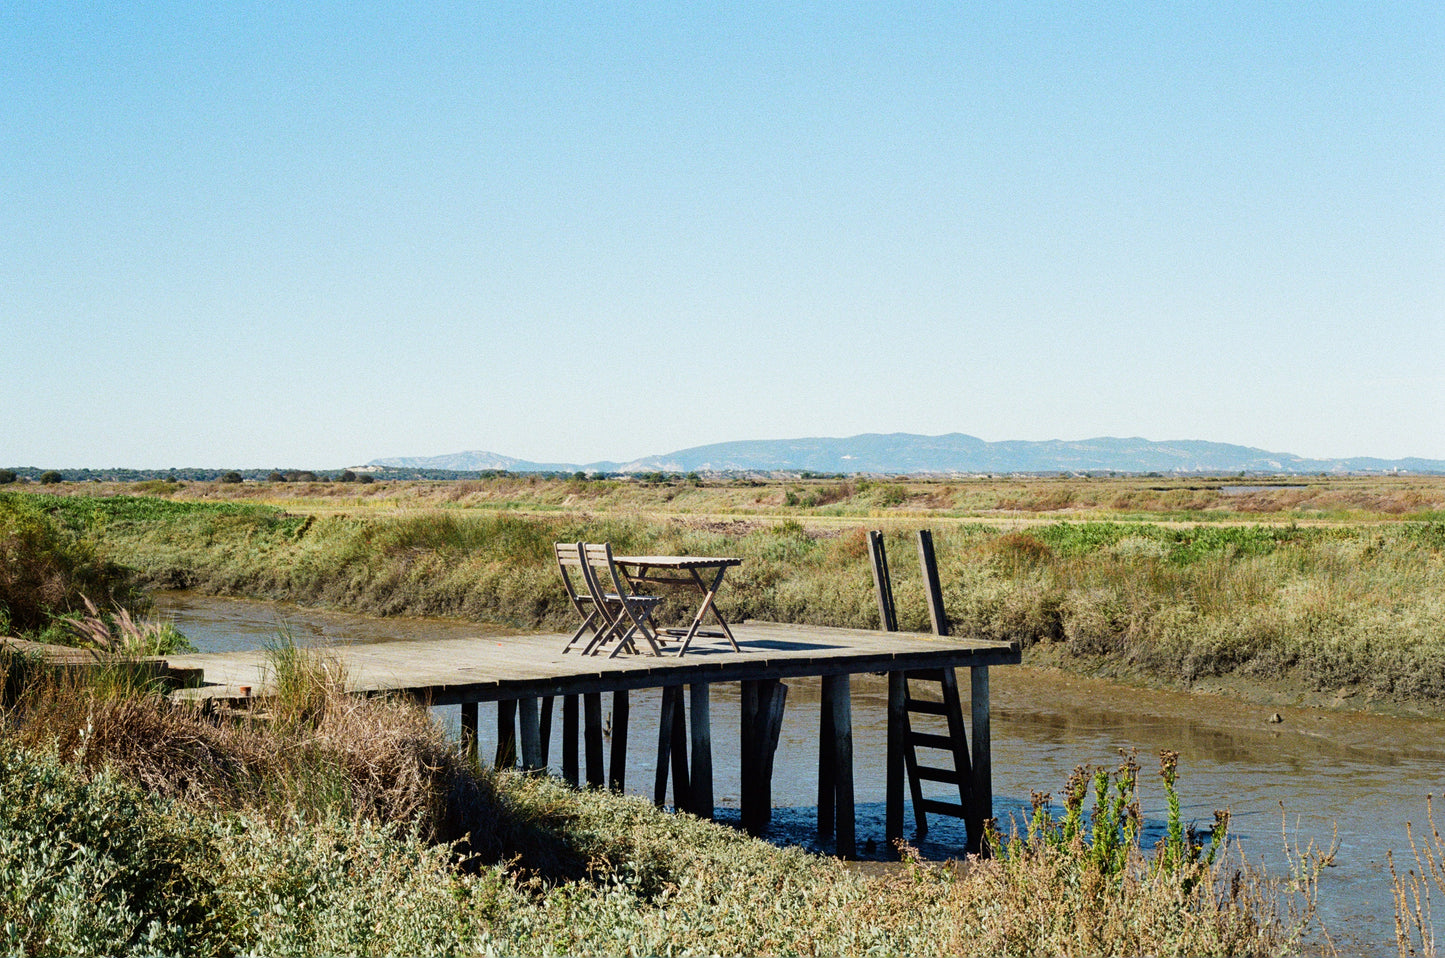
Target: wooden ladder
point(946, 742)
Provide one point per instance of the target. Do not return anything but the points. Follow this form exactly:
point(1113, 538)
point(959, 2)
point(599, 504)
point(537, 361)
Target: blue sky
point(311, 235)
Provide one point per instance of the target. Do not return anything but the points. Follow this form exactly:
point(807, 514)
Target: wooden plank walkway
point(494, 667)
point(523, 674)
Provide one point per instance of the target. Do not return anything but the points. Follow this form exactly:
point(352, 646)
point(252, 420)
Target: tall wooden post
point(931, 585)
point(827, 763)
point(469, 731)
point(569, 740)
point(882, 583)
point(506, 733)
point(672, 751)
point(982, 769)
point(681, 780)
point(763, 704)
point(701, 708)
point(617, 768)
point(592, 733)
point(896, 764)
point(748, 765)
point(841, 706)
point(529, 720)
point(546, 728)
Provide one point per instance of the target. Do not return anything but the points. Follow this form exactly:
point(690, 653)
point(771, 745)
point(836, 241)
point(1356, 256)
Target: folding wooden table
point(672, 568)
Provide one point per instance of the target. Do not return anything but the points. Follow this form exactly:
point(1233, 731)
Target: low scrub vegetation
point(131, 824)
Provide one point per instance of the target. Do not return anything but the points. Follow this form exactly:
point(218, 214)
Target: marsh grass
point(1358, 608)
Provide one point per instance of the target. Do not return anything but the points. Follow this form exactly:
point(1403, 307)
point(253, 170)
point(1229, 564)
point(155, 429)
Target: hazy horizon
point(655, 454)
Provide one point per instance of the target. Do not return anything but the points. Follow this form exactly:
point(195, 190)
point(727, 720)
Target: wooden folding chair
point(570, 562)
point(628, 613)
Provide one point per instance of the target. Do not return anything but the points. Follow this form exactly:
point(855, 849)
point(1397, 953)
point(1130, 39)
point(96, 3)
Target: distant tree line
point(50, 476)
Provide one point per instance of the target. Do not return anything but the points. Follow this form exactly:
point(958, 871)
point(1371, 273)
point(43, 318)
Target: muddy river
point(1325, 776)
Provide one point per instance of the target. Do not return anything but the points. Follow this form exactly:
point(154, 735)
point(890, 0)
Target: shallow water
point(1319, 771)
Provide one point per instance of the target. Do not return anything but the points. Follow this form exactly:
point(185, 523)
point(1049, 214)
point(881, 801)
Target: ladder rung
point(943, 808)
point(926, 707)
point(930, 740)
point(936, 774)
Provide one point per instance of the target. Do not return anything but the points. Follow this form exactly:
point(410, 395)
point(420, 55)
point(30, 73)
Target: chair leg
point(595, 644)
point(586, 624)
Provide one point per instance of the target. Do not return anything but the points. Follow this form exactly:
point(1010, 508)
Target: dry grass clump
point(1415, 888)
point(312, 747)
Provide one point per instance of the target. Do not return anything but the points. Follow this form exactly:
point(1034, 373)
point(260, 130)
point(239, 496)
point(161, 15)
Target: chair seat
point(634, 599)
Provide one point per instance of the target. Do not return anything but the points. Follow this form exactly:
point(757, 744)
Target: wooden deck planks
point(493, 668)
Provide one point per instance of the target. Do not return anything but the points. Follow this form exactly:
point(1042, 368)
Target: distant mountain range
point(905, 453)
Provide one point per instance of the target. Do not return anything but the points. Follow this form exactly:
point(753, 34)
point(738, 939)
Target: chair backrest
point(569, 557)
point(597, 559)
point(627, 613)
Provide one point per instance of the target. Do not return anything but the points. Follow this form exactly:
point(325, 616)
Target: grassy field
point(1220, 499)
point(1329, 586)
point(130, 824)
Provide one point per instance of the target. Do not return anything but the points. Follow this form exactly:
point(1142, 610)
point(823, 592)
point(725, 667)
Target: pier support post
point(592, 732)
point(506, 734)
point(838, 702)
point(827, 764)
point(763, 702)
point(700, 705)
point(546, 728)
point(617, 767)
point(569, 740)
point(681, 781)
point(748, 768)
point(895, 761)
point(529, 718)
point(469, 731)
point(672, 750)
point(982, 767)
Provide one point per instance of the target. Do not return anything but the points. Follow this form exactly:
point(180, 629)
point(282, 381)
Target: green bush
point(8, 476)
point(232, 477)
point(50, 477)
point(91, 867)
point(45, 569)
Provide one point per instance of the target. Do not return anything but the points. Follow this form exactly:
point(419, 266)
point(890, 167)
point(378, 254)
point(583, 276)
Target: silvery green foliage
point(339, 887)
point(87, 868)
point(94, 866)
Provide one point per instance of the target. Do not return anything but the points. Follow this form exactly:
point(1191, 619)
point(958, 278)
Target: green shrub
point(7, 476)
point(232, 477)
point(45, 569)
point(50, 477)
point(156, 487)
point(90, 866)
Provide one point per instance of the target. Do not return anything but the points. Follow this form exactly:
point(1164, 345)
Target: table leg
point(708, 594)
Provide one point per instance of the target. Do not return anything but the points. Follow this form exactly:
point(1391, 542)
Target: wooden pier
point(526, 674)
